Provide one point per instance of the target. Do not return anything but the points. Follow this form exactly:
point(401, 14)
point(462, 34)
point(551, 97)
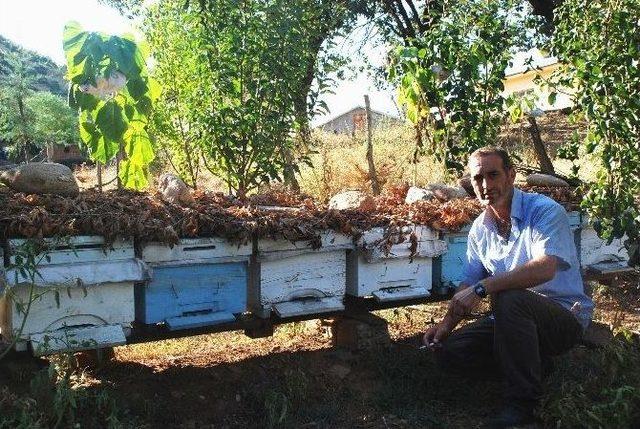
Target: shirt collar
point(516, 204)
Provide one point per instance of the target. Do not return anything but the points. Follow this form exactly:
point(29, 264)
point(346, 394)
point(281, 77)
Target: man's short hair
point(492, 150)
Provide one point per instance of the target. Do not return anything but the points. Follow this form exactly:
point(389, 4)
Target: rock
point(597, 335)
point(41, 178)
point(465, 183)
point(352, 200)
point(174, 190)
point(537, 179)
point(445, 192)
point(418, 194)
point(435, 190)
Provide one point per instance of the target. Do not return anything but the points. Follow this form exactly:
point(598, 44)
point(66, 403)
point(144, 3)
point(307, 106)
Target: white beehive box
point(594, 250)
point(393, 275)
point(82, 296)
point(292, 279)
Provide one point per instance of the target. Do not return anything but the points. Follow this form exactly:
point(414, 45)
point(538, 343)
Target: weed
point(276, 405)
point(600, 389)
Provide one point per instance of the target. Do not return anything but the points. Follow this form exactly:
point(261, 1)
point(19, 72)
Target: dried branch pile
point(146, 217)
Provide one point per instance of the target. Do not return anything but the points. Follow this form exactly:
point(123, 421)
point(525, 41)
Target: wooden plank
point(364, 277)
point(199, 320)
point(374, 235)
point(330, 240)
point(196, 249)
point(425, 249)
point(84, 274)
point(302, 307)
point(400, 293)
point(75, 339)
point(83, 249)
point(610, 268)
point(286, 279)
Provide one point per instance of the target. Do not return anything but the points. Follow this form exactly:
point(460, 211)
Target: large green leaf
point(111, 120)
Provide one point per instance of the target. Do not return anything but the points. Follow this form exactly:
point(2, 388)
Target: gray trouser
point(526, 329)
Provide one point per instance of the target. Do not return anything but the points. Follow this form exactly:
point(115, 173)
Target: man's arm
point(533, 273)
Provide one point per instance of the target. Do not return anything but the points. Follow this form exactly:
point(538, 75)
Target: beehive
point(198, 282)
point(394, 273)
point(81, 297)
point(292, 279)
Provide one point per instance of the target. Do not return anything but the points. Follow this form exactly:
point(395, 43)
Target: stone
point(537, 179)
point(445, 192)
point(174, 190)
point(597, 335)
point(352, 200)
point(363, 331)
point(41, 178)
point(418, 194)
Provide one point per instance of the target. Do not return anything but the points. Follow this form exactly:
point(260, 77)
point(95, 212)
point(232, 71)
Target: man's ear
point(512, 174)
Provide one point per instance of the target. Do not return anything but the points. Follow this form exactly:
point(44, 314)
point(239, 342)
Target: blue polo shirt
point(539, 226)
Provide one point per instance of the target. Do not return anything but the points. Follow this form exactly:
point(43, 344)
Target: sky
point(37, 25)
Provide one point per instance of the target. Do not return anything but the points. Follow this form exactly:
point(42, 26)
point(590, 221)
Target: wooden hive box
point(451, 262)
point(593, 250)
point(198, 282)
point(82, 297)
point(292, 279)
point(393, 276)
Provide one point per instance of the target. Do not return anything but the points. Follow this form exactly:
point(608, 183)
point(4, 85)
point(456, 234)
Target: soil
point(298, 379)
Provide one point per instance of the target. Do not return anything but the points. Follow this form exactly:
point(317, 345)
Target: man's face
point(490, 180)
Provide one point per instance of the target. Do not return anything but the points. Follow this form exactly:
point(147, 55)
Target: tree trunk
point(375, 186)
point(289, 172)
point(99, 174)
point(546, 166)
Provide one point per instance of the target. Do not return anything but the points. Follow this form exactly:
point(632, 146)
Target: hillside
point(46, 74)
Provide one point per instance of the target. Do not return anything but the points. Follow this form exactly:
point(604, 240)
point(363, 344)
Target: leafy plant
point(111, 87)
point(450, 76)
point(234, 73)
point(25, 262)
point(598, 44)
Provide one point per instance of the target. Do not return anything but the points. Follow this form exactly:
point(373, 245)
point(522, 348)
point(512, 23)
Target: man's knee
point(507, 302)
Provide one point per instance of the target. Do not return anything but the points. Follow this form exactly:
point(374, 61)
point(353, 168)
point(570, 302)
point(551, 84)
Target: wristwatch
point(480, 290)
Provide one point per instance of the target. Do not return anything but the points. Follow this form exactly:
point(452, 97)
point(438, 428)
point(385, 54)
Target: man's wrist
point(480, 290)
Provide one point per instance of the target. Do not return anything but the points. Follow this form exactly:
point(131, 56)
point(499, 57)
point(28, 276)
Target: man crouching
point(521, 254)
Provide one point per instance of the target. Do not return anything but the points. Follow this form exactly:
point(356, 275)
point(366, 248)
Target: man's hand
point(464, 302)
point(438, 332)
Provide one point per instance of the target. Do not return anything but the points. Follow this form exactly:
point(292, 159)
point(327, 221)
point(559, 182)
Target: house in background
point(355, 120)
point(68, 155)
point(519, 80)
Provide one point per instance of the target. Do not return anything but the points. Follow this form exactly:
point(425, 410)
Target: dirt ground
point(298, 379)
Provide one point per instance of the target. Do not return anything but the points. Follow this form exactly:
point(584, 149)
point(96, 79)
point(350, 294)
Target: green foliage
point(54, 120)
point(450, 77)
point(16, 120)
point(602, 392)
point(43, 73)
point(598, 43)
point(111, 88)
point(232, 72)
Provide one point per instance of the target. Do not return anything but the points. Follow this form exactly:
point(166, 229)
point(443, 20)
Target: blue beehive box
point(452, 261)
point(199, 282)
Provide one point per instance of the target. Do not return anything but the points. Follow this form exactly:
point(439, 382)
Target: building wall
point(69, 154)
point(354, 121)
point(523, 83)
